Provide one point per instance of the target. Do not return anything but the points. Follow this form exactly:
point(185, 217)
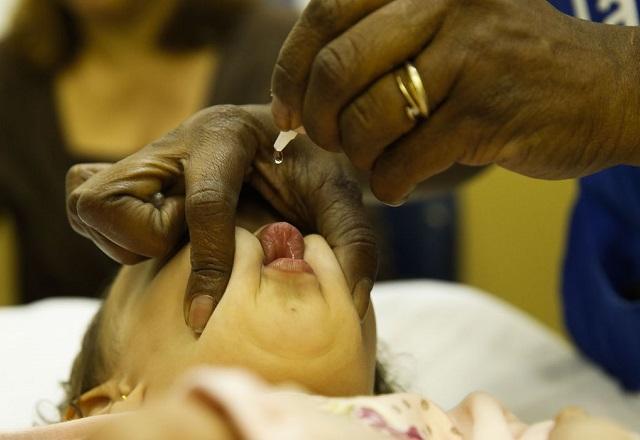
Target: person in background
point(89, 80)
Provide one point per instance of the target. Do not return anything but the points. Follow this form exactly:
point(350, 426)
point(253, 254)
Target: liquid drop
point(278, 157)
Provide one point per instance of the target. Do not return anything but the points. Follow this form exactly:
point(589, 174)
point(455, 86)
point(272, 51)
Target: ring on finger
point(414, 93)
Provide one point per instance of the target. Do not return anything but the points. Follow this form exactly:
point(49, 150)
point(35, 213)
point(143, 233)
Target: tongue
point(281, 240)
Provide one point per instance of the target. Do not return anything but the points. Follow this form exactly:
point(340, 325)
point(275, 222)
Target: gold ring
point(415, 94)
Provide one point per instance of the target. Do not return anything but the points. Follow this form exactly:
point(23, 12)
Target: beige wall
point(8, 285)
point(513, 233)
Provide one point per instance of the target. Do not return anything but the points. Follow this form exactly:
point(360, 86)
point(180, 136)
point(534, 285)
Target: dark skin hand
point(200, 168)
point(510, 82)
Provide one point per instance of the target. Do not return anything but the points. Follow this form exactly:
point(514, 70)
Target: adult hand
point(137, 208)
point(173, 418)
point(511, 82)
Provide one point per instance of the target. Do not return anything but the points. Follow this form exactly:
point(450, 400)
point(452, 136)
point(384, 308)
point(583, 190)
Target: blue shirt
point(602, 269)
point(602, 263)
point(623, 12)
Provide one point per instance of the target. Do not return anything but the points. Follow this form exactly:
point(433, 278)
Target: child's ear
point(109, 397)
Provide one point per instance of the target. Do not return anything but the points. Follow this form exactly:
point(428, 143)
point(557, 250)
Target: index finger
point(225, 143)
point(320, 22)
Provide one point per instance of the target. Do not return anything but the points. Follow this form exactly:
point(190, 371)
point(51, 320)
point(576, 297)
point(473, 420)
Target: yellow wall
point(513, 232)
point(8, 284)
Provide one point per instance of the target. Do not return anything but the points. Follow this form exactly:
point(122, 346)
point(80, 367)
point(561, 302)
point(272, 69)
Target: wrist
point(626, 91)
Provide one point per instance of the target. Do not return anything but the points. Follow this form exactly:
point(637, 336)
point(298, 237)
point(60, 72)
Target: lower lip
point(290, 265)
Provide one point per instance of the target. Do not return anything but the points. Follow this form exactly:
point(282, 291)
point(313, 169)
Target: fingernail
point(300, 130)
point(400, 202)
point(362, 296)
point(281, 114)
point(199, 312)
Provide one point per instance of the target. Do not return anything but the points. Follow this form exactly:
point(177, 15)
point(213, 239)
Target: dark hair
point(382, 384)
point(90, 369)
point(46, 35)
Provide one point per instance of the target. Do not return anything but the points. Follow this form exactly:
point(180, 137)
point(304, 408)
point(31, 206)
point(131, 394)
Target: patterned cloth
point(260, 411)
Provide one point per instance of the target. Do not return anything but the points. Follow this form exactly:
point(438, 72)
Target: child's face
point(286, 326)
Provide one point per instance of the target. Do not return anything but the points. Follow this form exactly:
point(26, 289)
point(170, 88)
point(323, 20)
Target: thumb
point(342, 220)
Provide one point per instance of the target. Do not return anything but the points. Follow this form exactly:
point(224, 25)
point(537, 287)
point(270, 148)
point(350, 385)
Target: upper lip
point(281, 240)
point(283, 247)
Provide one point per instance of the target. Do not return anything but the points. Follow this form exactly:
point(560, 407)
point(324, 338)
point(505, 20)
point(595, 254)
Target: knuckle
point(220, 122)
point(216, 113)
point(366, 112)
point(343, 201)
point(172, 139)
point(348, 188)
point(209, 203)
point(324, 14)
point(209, 270)
point(360, 119)
point(285, 76)
point(330, 66)
point(75, 172)
point(208, 280)
point(88, 203)
point(207, 275)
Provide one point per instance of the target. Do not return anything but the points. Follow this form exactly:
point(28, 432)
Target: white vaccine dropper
point(284, 138)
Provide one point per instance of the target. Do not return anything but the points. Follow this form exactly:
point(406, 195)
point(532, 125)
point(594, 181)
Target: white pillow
point(38, 343)
point(446, 340)
point(441, 340)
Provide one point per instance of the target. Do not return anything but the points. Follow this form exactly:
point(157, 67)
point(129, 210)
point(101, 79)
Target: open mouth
point(283, 247)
